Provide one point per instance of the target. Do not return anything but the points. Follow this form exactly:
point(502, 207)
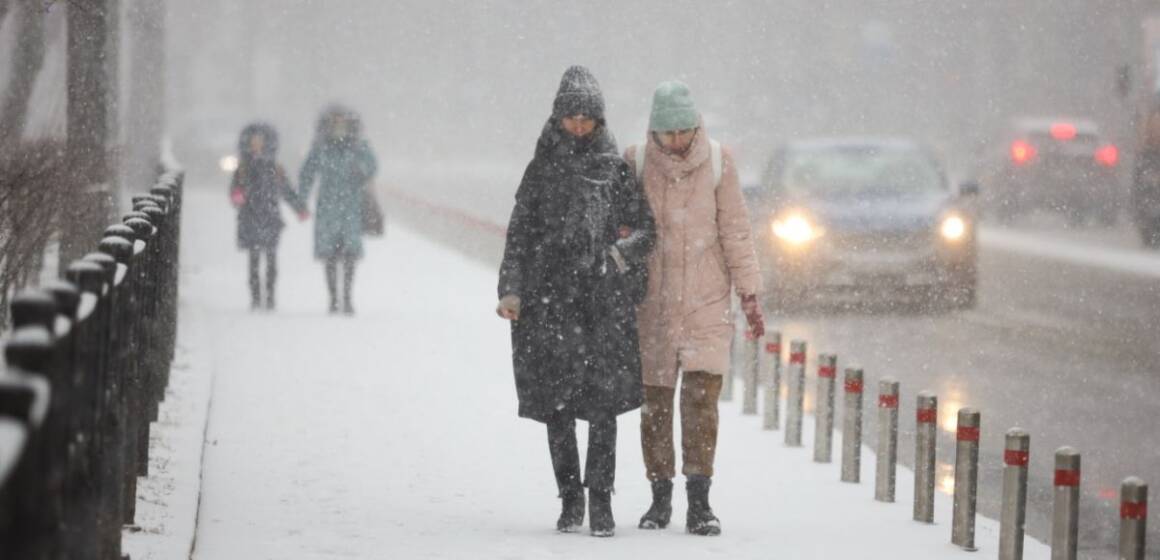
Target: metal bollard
point(735, 359)
point(1133, 518)
point(887, 439)
point(795, 397)
point(852, 427)
point(966, 479)
point(772, 367)
point(824, 415)
point(1014, 513)
point(925, 438)
point(1065, 514)
point(750, 367)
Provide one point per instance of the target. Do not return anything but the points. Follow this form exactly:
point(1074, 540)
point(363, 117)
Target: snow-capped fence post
point(35, 508)
point(1065, 513)
point(772, 367)
point(124, 308)
point(925, 438)
point(751, 369)
point(795, 396)
point(111, 457)
point(1016, 454)
point(147, 326)
point(852, 427)
point(1133, 518)
point(887, 440)
point(824, 415)
point(90, 407)
point(169, 186)
point(966, 478)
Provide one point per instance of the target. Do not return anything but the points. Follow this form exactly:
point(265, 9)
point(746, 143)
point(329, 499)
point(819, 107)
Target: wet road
point(1065, 351)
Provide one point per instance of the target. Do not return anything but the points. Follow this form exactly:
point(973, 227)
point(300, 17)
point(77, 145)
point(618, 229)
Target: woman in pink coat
point(704, 250)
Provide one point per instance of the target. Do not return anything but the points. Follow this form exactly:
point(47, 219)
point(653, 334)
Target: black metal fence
point(88, 362)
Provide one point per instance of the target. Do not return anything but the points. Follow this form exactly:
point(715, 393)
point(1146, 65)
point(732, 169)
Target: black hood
point(270, 148)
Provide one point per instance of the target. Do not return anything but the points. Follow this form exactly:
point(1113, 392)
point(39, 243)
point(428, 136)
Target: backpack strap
point(715, 159)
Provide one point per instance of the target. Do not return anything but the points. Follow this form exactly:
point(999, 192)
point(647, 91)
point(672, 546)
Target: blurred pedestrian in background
point(258, 185)
point(343, 164)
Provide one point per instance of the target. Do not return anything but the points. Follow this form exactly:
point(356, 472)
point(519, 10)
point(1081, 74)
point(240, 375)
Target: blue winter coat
point(344, 169)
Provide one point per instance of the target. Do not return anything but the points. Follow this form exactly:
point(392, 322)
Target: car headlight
point(229, 164)
point(795, 229)
point(953, 228)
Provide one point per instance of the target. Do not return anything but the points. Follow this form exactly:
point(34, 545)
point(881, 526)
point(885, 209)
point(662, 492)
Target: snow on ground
point(393, 434)
point(167, 498)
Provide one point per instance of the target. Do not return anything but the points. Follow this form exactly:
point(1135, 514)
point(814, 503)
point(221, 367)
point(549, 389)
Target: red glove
point(303, 215)
point(753, 315)
point(237, 197)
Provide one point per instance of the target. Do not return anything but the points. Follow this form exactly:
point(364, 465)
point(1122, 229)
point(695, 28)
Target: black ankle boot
point(661, 511)
point(600, 521)
point(572, 510)
point(700, 519)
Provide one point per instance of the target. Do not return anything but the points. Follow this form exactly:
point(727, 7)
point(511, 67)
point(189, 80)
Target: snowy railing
point(758, 364)
point(88, 362)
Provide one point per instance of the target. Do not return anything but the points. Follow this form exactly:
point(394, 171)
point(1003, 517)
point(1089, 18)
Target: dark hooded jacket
point(263, 183)
point(575, 348)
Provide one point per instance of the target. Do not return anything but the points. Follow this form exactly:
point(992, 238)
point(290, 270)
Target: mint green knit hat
point(672, 108)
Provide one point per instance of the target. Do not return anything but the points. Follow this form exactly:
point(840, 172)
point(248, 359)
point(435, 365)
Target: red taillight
point(1108, 156)
point(1022, 152)
point(1063, 131)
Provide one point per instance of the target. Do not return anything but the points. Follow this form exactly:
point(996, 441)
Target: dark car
point(863, 217)
point(1058, 165)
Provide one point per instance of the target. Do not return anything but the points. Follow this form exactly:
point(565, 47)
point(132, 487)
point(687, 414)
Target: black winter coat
point(575, 350)
point(264, 184)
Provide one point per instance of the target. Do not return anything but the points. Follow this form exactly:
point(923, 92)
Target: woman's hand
point(237, 198)
point(753, 315)
point(509, 307)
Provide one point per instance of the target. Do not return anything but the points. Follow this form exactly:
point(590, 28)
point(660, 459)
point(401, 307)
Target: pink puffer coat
point(704, 246)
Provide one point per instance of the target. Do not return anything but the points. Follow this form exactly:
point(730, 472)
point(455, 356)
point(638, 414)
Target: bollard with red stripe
point(824, 413)
point(795, 396)
point(852, 427)
point(771, 364)
point(925, 438)
point(1013, 514)
point(966, 479)
point(1133, 518)
point(1065, 513)
point(750, 366)
point(887, 439)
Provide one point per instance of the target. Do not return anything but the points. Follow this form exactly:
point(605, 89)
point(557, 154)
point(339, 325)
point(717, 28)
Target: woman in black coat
point(572, 274)
point(258, 185)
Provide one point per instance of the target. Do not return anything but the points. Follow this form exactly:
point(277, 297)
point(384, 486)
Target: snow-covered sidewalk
point(393, 434)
